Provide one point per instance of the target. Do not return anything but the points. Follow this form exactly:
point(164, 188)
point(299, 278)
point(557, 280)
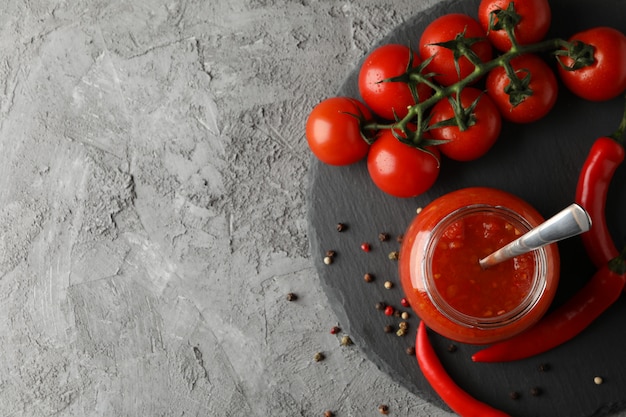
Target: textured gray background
point(152, 208)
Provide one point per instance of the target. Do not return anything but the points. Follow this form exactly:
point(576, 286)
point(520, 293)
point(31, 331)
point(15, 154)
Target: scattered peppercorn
point(291, 297)
point(418, 210)
point(399, 238)
point(535, 391)
point(394, 255)
point(388, 328)
point(403, 325)
point(341, 227)
point(365, 247)
point(319, 356)
point(410, 350)
point(383, 237)
point(404, 315)
point(329, 413)
point(346, 341)
point(401, 332)
point(598, 380)
point(331, 253)
point(389, 310)
point(397, 314)
point(328, 260)
point(368, 277)
point(335, 330)
point(405, 302)
point(380, 306)
point(452, 348)
point(514, 395)
point(388, 285)
point(544, 367)
point(383, 409)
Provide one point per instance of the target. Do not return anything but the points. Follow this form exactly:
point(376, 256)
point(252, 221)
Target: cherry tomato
point(605, 78)
point(535, 96)
point(483, 128)
point(447, 28)
point(333, 130)
point(533, 24)
point(399, 169)
point(387, 98)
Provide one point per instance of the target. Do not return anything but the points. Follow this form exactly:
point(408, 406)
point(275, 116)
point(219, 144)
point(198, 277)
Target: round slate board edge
point(346, 309)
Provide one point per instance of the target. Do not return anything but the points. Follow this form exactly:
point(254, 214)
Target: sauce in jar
point(447, 287)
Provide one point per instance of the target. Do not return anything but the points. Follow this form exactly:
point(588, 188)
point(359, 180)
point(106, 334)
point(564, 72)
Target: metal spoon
point(569, 222)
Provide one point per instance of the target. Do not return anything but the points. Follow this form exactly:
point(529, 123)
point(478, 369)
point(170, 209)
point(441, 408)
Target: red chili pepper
point(457, 399)
point(605, 155)
point(567, 321)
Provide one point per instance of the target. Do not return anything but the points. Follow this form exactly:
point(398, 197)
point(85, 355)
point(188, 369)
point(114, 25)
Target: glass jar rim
point(531, 299)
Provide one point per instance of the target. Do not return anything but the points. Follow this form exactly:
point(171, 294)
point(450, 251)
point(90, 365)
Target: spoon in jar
point(571, 221)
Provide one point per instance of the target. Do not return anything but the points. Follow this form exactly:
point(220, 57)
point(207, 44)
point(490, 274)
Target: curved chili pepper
point(564, 323)
point(605, 155)
point(457, 399)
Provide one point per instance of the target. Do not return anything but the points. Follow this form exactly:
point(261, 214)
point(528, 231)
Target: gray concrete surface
point(152, 209)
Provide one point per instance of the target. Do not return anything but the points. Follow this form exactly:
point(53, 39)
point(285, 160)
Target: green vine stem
point(417, 113)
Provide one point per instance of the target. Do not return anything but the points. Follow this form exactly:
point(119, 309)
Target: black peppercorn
point(544, 367)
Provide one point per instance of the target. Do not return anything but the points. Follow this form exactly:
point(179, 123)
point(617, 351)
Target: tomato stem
point(506, 19)
point(417, 111)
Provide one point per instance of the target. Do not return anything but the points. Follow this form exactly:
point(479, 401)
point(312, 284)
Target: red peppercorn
point(404, 302)
point(389, 310)
point(335, 330)
point(365, 247)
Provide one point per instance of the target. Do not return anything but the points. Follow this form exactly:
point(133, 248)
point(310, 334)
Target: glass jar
point(444, 282)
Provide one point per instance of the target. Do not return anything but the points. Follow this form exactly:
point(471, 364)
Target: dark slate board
point(540, 163)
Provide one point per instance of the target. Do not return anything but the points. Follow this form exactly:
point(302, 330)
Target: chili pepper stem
point(618, 264)
point(618, 135)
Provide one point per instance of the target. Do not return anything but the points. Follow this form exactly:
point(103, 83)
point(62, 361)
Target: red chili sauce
point(461, 281)
point(444, 282)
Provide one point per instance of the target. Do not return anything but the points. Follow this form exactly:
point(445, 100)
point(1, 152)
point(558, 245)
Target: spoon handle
point(571, 221)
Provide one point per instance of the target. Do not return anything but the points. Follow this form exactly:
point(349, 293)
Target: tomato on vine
point(524, 90)
point(399, 169)
point(384, 84)
point(470, 125)
point(594, 66)
point(333, 130)
point(528, 21)
point(444, 41)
